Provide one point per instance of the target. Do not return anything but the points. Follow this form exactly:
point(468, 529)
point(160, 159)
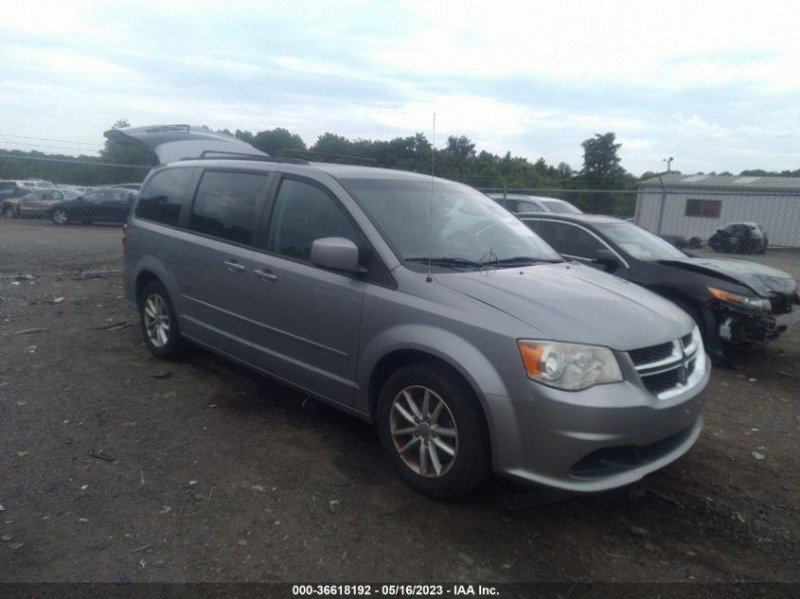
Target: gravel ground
point(38, 246)
point(219, 475)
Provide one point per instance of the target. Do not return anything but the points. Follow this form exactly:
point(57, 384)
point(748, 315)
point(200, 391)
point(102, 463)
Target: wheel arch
point(451, 353)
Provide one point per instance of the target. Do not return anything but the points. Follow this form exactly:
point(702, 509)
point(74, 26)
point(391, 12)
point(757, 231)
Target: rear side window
point(302, 214)
point(227, 205)
point(162, 199)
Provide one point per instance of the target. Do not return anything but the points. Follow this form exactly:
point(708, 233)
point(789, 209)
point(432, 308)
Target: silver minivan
point(415, 303)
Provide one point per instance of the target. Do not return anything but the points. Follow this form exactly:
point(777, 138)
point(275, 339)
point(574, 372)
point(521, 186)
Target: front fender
point(448, 347)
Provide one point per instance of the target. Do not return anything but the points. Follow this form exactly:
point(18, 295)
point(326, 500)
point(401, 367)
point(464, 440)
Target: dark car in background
point(730, 300)
point(105, 204)
point(740, 238)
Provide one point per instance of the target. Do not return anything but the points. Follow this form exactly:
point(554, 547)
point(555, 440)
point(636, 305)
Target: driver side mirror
point(606, 257)
point(336, 253)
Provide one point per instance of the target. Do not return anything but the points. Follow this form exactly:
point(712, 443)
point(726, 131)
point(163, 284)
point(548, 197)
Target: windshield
point(639, 243)
point(560, 207)
point(446, 220)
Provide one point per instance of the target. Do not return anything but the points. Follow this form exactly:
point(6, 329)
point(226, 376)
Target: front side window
point(302, 214)
point(570, 240)
point(162, 200)
point(227, 205)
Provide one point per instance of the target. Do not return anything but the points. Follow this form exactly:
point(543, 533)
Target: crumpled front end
point(747, 328)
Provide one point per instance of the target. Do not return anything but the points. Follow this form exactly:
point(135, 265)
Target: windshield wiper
point(447, 262)
point(517, 260)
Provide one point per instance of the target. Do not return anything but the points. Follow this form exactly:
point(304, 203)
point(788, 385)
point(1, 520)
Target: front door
point(308, 317)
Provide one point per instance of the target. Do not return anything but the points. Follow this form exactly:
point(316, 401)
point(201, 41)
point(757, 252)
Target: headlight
point(752, 304)
point(569, 365)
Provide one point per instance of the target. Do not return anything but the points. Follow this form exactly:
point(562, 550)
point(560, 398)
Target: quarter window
point(227, 205)
point(704, 208)
point(302, 214)
point(569, 240)
point(162, 199)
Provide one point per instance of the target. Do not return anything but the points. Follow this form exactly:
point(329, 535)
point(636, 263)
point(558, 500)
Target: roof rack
point(217, 155)
point(331, 154)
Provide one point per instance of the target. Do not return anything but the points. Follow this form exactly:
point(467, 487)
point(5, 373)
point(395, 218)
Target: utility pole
point(669, 163)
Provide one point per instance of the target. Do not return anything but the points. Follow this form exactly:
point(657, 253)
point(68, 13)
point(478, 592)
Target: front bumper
point(737, 327)
point(597, 439)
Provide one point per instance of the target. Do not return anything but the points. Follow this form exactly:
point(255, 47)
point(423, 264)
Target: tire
point(7, 212)
point(61, 216)
point(412, 453)
point(155, 310)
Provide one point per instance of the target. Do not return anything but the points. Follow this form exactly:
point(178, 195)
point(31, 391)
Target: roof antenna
point(429, 278)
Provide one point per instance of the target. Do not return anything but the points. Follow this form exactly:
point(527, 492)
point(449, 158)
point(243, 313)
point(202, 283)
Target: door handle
point(234, 266)
point(265, 275)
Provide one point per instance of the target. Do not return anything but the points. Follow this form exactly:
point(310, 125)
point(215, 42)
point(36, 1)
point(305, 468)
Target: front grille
point(666, 369)
point(663, 381)
point(648, 355)
point(615, 460)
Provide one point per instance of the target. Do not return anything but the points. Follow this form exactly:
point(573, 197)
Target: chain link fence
point(61, 216)
point(684, 215)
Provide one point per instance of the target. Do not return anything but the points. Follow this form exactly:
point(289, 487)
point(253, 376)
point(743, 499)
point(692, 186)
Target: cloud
point(716, 90)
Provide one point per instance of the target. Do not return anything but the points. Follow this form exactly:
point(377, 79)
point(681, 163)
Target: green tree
point(602, 170)
point(273, 140)
point(461, 147)
point(601, 162)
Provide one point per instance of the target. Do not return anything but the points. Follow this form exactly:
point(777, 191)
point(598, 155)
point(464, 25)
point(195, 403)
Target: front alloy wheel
point(424, 431)
point(432, 428)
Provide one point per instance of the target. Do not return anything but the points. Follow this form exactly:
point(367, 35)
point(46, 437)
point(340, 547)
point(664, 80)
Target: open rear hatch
point(170, 143)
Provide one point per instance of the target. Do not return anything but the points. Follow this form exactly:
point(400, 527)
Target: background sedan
point(106, 204)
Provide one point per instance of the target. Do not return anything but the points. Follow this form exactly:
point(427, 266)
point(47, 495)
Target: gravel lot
point(38, 246)
point(218, 475)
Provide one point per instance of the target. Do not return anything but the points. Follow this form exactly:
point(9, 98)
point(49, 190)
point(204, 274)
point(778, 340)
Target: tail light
point(124, 235)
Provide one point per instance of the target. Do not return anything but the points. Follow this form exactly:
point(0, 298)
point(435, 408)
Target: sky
point(715, 85)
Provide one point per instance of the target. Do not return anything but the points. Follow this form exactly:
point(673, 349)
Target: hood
point(171, 143)
point(763, 280)
point(575, 303)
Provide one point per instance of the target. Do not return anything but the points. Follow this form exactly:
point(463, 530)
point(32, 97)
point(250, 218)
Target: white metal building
point(698, 205)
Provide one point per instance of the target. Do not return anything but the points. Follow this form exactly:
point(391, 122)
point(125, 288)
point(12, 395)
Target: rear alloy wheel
point(432, 428)
point(158, 322)
point(61, 217)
